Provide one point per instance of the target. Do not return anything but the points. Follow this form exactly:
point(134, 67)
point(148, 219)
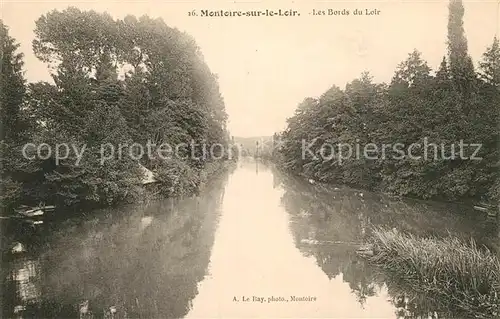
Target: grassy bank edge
point(464, 275)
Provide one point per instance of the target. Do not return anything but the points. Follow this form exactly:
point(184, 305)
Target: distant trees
point(116, 82)
point(418, 106)
point(258, 147)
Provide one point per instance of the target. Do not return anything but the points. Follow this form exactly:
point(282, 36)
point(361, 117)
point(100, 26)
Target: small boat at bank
point(490, 209)
point(40, 210)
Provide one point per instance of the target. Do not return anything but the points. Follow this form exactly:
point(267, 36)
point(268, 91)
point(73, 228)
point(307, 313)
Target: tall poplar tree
point(461, 66)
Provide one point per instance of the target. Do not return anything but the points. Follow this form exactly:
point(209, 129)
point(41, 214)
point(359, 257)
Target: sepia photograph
point(250, 159)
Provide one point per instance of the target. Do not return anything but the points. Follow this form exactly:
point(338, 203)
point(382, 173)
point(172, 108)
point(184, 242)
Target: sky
point(267, 65)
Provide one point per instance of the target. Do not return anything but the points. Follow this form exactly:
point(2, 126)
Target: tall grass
point(460, 273)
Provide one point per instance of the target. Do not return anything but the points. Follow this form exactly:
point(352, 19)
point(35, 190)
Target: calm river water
point(255, 243)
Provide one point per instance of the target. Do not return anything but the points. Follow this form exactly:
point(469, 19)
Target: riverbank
point(486, 207)
point(466, 276)
point(188, 184)
point(185, 183)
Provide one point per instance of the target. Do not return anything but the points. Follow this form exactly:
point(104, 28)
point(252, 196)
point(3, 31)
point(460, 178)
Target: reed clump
point(460, 273)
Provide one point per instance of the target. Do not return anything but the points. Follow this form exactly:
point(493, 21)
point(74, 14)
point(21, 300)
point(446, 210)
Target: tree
point(13, 122)
point(414, 109)
point(461, 66)
point(413, 71)
point(120, 82)
point(443, 73)
point(12, 83)
point(490, 73)
point(490, 65)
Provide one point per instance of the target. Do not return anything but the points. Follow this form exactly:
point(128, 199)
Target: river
point(254, 243)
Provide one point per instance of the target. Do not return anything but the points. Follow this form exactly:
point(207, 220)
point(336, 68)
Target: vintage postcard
point(250, 159)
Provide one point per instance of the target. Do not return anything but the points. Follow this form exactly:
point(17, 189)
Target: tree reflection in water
point(328, 223)
point(143, 260)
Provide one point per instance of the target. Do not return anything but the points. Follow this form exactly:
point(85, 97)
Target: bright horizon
point(266, 66)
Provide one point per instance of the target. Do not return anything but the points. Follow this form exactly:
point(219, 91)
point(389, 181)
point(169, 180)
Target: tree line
point(116, 81)
point(455, 103)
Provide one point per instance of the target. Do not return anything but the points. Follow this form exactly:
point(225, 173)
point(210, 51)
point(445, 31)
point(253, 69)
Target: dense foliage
point(419, 106)
point(13, 122)
point(116, 82)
